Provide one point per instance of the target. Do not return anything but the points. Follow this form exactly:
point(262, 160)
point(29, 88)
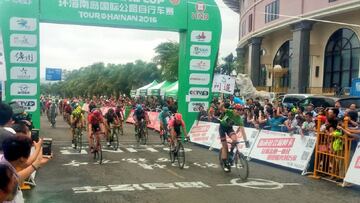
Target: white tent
point(143, 90)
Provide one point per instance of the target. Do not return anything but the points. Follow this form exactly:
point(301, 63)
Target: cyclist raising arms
point(95, 126)
point(77, 120)
point(174, 127)
point(139, 115)
point(228, 120)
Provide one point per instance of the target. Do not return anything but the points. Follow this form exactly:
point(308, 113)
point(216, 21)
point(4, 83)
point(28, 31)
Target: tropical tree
point(167, 59)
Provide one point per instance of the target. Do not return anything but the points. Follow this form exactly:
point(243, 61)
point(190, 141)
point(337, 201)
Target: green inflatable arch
point(198, 22)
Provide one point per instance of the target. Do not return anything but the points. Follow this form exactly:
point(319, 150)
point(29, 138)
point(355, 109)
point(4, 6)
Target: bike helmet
point(238, 106)
point(165, 109)
point(96, 112)
point(139, 107)
point(178, 116)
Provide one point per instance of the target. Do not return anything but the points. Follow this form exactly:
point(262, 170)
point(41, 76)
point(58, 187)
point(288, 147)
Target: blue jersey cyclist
point(139, 116)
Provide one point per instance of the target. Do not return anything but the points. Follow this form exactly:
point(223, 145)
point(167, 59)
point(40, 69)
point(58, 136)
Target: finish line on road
point(253, 183)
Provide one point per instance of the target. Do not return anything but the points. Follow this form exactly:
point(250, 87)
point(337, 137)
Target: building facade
point(299, 46)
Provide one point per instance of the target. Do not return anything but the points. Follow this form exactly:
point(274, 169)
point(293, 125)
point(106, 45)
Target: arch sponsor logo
point(200, 50)
point(23, 73)
point(20, 56)
point(23, 89)
point(23, 40)
point(23, 24)
point(194, 106)
point(199, 92)
point(29, 105)
point(201, 36)
point(175, 2)
point(200, 14)
point(200, 64)
point(199, 79)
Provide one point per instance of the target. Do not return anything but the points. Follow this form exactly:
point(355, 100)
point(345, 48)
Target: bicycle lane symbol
point(260, 184)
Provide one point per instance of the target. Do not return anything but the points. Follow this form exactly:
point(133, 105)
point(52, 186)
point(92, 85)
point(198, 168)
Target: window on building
point(272, 11)
point(250, 22)
point(342, 56)
point(243, 28)
point(283, 58)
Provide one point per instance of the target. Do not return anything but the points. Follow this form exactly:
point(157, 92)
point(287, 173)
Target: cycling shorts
point(225, 130)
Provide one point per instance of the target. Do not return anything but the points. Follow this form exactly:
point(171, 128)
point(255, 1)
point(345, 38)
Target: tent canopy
point(159, 89)
point(172, 90)
point(143, 90)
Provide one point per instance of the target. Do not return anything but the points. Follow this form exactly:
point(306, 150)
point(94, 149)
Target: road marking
point(113, 151)
point(186, 149)
point(140, 187)
point(72, 152)
point(132, 150)
point(260, 184)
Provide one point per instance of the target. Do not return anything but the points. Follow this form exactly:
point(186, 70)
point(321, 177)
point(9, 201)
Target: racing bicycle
point(236, 159)
point(178, 152)
point(142, 133)
point(78, 139)
point(114, 136)
point(97, 150)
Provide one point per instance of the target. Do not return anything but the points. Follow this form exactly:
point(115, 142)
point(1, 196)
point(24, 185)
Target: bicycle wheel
point(221, 162)
point(143, 137)
point(241, 165)
point(97, 151)
point(121, 130)
point(115, 139)
point(180, 154)
point(78, 141)
point(171, 153)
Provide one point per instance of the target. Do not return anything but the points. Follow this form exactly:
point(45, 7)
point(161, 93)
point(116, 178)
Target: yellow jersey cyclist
point(230, 118)
point(77, 120)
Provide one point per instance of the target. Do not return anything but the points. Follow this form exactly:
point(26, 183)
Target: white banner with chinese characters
point(2, 60)
point(293, 151)
point(353, 173)
point(207, 134)
point(223, 84)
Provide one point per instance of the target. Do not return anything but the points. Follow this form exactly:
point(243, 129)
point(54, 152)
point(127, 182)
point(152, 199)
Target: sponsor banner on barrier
point(353, 173)
point(293, 151)
point(207, 134)
point(202, 132)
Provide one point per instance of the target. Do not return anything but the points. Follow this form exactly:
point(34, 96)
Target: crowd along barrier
point(283, 149)
point(332, 154)
point(353, 173)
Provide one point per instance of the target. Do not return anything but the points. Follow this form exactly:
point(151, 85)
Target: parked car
point(290, 100)
point(318, 101)
point(347, 101)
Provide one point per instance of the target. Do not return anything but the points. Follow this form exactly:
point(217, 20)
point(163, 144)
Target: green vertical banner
point(20, 31)
point(199, 24)
point(198, 54)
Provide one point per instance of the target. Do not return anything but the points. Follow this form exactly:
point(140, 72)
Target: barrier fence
point(284, 149)
point(332, 153)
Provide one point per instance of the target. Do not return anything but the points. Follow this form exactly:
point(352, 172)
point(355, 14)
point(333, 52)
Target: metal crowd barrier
point(332, 162)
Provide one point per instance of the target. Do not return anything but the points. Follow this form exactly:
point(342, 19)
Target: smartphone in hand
point(35, 135)
point(47, 142)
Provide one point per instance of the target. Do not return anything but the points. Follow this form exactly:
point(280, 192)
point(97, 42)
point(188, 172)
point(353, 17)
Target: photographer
point(16, 153)
point(6, 114)
point(8, 183)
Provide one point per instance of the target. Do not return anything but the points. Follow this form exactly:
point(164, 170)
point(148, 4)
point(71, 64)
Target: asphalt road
point(145, 174)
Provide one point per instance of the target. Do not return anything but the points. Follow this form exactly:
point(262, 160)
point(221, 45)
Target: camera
point(47, 142)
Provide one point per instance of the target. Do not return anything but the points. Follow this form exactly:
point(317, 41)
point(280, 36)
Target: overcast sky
point(73, 47)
